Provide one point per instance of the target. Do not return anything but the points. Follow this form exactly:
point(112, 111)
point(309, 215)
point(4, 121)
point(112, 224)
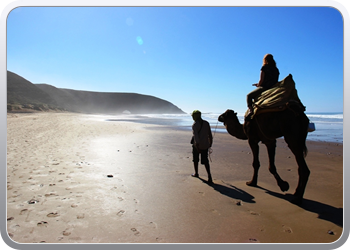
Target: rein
point(210, 149)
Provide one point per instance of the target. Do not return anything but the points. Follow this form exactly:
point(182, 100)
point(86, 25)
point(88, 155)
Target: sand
point(74, 178)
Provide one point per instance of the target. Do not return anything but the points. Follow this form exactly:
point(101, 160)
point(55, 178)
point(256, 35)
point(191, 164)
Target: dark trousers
point(253, 95)
point(203, 153)
point(204, 161)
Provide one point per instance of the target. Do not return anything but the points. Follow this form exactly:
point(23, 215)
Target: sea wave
point(325, 116)
point(329, 126)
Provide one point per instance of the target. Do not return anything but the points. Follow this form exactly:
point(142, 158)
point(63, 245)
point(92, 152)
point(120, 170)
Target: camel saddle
point(281, 96)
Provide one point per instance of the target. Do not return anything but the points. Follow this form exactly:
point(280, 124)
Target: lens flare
point(139, 40)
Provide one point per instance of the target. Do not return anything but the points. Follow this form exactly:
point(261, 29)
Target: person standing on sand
point(268, 77)
point(202, 140)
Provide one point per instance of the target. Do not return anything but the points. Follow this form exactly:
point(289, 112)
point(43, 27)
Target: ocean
point(329, 126)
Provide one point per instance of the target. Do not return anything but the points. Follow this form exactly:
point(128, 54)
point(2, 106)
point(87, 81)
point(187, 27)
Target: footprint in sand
point(121, 212)
point(23, 211)
point(153, 224)
point(158, 239)
point(254, 213)
point(136, 233)
point(51, 194)
point(42, 224)
point(52, 215)
point(287, 229)
point(66, 232)
point(253, 240)
point(80, 216)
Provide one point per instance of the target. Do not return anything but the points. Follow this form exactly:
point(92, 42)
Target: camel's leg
point(304, 174)
point(256, 164)
point(303, 171)
point(271, 150)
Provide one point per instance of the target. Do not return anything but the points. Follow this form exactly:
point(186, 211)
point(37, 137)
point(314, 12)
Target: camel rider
point(268, 77)
point(202, 140)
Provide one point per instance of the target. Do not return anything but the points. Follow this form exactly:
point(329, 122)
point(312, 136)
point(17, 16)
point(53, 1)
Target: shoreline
point(169, 123)
point(58, 188)
point(217, 127)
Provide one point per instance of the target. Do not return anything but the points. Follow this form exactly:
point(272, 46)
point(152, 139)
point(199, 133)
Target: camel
point(291, 123)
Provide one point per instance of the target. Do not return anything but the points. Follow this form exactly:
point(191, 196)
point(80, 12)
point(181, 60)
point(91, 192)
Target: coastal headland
point(24, 96)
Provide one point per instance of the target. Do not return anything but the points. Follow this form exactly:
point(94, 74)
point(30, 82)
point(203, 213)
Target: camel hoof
point(252, 183)
point(284, 186)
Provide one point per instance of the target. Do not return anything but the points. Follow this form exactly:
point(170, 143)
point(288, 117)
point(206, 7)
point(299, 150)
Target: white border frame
point(8, 6)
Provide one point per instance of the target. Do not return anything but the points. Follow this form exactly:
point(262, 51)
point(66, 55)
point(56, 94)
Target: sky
point(204, 58)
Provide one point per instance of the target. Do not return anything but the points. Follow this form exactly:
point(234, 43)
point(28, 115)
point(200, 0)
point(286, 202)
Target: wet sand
point(81, 179)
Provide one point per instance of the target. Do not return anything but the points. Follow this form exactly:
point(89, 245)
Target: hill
point(22, 94)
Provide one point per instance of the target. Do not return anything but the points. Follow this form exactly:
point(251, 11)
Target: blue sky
point(204, 58)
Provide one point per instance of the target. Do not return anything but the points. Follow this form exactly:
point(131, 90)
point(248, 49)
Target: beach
point(76, 178)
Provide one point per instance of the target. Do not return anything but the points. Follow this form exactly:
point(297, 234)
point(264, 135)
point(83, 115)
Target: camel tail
point(306, 122)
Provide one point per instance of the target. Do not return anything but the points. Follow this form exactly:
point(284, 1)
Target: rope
point(210, 149)
point(215, 128)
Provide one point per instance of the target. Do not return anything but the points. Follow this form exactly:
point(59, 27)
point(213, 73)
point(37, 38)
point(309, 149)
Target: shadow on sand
point(324, 211)
point(231, 191)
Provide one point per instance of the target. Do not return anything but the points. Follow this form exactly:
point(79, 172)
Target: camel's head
point(229, 114)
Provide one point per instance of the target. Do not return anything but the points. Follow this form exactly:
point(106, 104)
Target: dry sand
point(58, 189)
